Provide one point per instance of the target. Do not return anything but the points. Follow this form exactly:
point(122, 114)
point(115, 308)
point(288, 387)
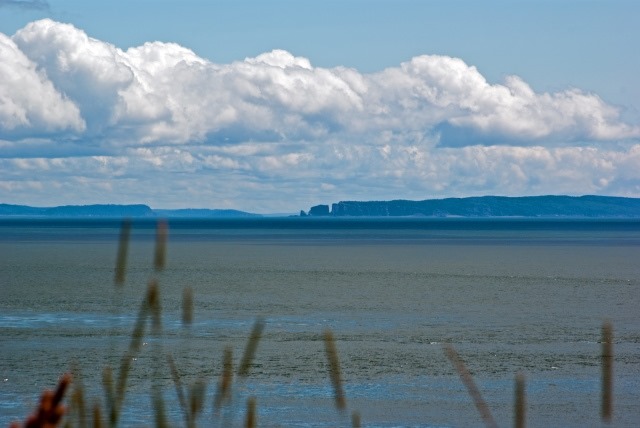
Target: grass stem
point(334, 370)
point(520, 406)
point(250, 350)
point(607, 372)
point(123, 249)
point(467, 380)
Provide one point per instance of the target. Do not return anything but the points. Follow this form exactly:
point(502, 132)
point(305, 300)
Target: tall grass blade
point(250, 350)
point(160, 257)
point(158, 408)
point(607, 372)
point(223, 393)
point(355, 420)
point(473, 390)
point(252, 418)
point(155, 309)
point(520, 407)
point(97, 416)
point(123, 249)
point(109, 394)
point(77, 406)
point(187, 306)
point(151, 300)
point(77, 397)
point(334, 370)
point(175, 375)
point(196, 402)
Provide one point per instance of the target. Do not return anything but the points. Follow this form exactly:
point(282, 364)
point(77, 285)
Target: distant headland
point(471, 207)
point(116, 211)
point(487, 206)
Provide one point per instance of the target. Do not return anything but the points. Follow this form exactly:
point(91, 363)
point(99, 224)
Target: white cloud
point(29, 103)
point(87, 71)
point(162, 93)
point(275, 182)
point(275, 133)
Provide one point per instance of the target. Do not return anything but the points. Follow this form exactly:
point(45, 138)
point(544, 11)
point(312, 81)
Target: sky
point(275, 106)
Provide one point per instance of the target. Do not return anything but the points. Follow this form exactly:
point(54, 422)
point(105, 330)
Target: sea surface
point(510, 295)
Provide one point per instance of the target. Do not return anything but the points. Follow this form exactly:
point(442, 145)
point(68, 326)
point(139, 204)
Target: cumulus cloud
point(82, 113)
point(87, 71)
point(164, 93)
point(29, 102)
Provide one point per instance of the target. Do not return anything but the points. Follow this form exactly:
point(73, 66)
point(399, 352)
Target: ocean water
point(510, 295)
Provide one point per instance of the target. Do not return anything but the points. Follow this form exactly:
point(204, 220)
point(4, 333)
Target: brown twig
point(50, 409)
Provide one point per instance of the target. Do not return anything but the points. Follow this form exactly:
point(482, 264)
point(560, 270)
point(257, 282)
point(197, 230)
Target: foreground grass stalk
point(77, 406)
point(251, 421)
point(153, 303)
point(160, 255)
point(473, 390)
point(156, 332)
point(158, 407)
point(109, 394)
point(123, 249)
point(355, 420)
point(519, 418)
point(77, 398)
point(223, 394)
point(607, 372)
point(196, 402)
point(115, 397)
point(175, 375)
point(187, 307)
point(97, 416)
point(334, 370)
point(250, 350)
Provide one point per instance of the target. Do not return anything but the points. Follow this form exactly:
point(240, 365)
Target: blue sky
point(274, 106)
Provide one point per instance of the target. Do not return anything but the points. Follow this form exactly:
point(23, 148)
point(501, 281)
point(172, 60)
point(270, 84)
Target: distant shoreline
point(550, 206)
point(523, 207)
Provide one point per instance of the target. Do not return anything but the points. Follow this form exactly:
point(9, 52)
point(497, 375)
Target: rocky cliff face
point(319, 210)
point(490, 206)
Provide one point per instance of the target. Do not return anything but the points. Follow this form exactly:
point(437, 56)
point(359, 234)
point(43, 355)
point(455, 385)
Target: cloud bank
point(79, 116)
